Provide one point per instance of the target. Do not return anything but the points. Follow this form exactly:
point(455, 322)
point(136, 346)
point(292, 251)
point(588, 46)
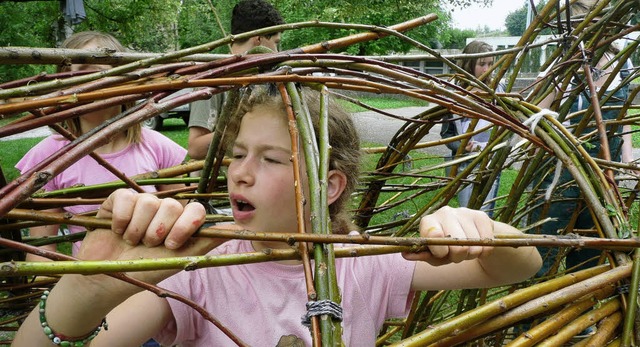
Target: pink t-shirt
point(262, 302)
point(155, 151)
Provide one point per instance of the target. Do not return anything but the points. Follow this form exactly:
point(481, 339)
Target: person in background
point(263, 198)
point(477, 67)
point(568, 198)
point(135, 150)
point(247, 15)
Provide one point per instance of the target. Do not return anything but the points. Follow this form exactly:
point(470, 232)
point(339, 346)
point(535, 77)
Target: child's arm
point(199, 142)
point(42, 231)
point(141, 225)
point(456, 267)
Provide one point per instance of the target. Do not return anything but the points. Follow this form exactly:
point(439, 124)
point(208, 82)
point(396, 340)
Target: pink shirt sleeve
point(43, 150)
point(167, 152)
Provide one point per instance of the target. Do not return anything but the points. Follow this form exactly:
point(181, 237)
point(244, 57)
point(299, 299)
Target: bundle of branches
point(526, 141)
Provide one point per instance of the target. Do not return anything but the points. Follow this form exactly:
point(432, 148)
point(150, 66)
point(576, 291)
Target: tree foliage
point(24, 31)
point(516, 21)
point(456, 38)
point(375, 12)
point(165, 25)
point(143, 25)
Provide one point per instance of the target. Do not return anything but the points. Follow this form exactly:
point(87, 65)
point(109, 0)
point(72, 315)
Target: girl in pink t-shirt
point(133, 151)
point(261, 303)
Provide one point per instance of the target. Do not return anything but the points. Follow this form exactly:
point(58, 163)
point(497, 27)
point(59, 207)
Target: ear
point(256, 41)
point(336, 182)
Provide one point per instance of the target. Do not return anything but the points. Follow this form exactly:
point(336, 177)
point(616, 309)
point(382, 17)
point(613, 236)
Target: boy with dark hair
point(247, 15)
point(251, 15)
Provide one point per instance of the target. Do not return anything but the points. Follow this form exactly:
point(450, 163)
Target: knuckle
point(172, 206)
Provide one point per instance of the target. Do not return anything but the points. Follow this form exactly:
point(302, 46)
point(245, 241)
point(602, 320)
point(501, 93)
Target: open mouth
point(244, 206)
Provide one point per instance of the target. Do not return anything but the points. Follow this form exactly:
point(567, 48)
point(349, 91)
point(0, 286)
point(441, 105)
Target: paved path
point(372, 127)
point(37, 132)
point(377, 128)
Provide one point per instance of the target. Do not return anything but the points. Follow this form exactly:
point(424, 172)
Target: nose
point(242, 171)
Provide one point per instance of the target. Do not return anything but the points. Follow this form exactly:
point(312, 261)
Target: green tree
point(374, 12)
point(20, 29)
point(197, 23)
point(516, 21)
point(456, 38)
point(148, 26)
point(165, 25)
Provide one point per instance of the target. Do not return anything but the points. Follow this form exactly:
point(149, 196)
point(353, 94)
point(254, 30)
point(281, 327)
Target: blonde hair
point(78, 41)
point(343, 138)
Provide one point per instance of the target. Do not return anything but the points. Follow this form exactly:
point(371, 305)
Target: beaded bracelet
point(63, 340)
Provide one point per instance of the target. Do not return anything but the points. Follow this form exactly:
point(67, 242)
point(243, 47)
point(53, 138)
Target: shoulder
point(53, 141)
point(150, 136)
point(42, 150)
point(162, 148)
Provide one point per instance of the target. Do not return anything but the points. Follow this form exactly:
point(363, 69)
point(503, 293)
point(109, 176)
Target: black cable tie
point(321, 307)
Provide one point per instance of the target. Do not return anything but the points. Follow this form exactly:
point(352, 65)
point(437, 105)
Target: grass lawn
point(176, 129)
point(12, 152)
point(635, 137)
point(381, 103)
point(173, 128)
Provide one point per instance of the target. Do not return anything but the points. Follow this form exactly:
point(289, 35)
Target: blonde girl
point(133, 151)
point(260, 303)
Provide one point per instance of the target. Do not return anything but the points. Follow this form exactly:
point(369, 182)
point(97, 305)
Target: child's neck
point(117, 143)
point(260, 246)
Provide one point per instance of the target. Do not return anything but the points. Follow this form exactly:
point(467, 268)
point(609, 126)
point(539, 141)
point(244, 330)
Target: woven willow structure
point(405, 180)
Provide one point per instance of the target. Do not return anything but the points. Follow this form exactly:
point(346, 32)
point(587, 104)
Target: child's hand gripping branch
point(443, 267)
point(143, 226)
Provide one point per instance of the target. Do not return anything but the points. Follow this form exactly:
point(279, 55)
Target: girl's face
point(100, 115)
point(260, 176)
point(482, 65)
point(91, 46)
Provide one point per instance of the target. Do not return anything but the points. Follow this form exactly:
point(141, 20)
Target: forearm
point(508, 264)
point(39, 232)
point(74, 308)
point(199, 142)
point(548, 100)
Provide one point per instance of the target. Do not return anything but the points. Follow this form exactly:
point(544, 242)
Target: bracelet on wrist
point(60, 339)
